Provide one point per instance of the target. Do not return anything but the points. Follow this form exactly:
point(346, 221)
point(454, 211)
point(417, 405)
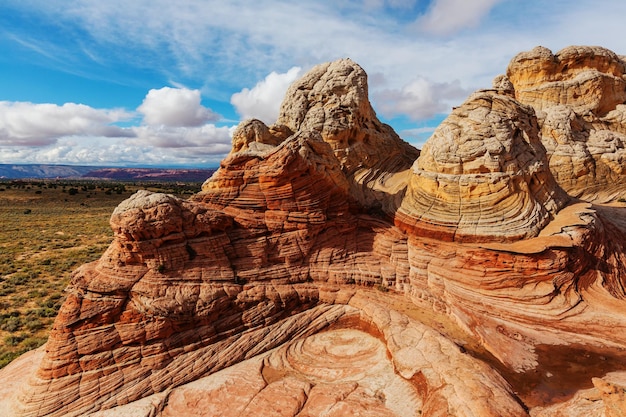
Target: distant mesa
point(150, 174)
point(33, 171)
point(330, 268)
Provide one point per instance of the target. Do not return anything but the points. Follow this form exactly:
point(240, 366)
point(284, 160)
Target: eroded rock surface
point(328, 268)
point(579, 95)
point(483, 175)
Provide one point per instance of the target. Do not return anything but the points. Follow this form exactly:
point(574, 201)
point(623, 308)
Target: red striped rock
point(330, 271)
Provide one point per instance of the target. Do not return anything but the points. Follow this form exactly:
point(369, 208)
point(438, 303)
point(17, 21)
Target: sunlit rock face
point(329, 268)
point(585, 78)
point(579, 95)
point(483, 175)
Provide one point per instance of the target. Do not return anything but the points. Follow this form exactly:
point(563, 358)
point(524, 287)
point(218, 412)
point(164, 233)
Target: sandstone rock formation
point(332, 99)
point(579, 95)
point(483, 175)
point(328, 268)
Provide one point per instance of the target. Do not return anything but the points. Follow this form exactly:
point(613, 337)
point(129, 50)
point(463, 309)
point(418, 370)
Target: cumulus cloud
point(418, 136)
point(449, 16)
point(28, 124)
point(174, 131)
point(175, 120)
point(175, 107)
point(207, 139)
point(421, 99)
point(263, 100)
point(92, 150)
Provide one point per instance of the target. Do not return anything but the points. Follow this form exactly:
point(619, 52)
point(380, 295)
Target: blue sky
point(163, 83)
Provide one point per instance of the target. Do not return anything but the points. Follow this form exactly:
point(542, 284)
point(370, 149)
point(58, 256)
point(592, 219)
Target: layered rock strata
point(332, 99)
point(483, 175)
point(579, 95)
point(374, 362)
point(446, 277)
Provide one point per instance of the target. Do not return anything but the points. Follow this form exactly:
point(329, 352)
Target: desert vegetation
point(48, 228)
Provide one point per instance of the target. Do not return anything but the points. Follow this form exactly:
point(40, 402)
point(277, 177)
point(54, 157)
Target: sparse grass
point(382, 288)
point(44, 236)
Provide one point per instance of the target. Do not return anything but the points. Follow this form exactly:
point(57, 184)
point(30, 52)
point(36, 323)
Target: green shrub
point(7, 289)
point(13, 340)
point(21, 278)
point(33, 324)
point(36, 294)
point(46, 312)
point(56, 296)
point(11, 324)
point(7, 357)
point(31, 343)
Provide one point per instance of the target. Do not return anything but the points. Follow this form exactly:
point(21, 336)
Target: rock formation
point(328, 268)
point(579, 95)
point(483, 175)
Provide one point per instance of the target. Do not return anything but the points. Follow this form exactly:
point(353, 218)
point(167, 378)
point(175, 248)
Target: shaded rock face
point(328, 268)
point(579, 95)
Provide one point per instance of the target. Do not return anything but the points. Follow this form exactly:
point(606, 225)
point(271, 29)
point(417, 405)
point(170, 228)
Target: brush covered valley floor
point(48, 228)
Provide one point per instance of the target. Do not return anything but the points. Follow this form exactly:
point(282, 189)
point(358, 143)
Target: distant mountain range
point(34, 171)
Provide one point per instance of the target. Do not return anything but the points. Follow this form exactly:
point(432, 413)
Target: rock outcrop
point(328, 268)
point(579, 95)
point(483, 175)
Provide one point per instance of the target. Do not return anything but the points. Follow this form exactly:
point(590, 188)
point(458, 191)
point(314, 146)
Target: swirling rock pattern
point(327, 268)
point(483, 175)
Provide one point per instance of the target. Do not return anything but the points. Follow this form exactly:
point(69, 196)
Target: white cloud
point(87, 150)
point(142, 151)
point(79, 134)
point(28, 124)
point(221, 47)
point(207, 139)
point(418, 136)
point(175, 120)
point(263, 100)
point(449, 16)
point(175, 107)
point(421, 99)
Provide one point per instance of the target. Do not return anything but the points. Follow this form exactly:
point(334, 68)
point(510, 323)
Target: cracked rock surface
point(328, 268)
